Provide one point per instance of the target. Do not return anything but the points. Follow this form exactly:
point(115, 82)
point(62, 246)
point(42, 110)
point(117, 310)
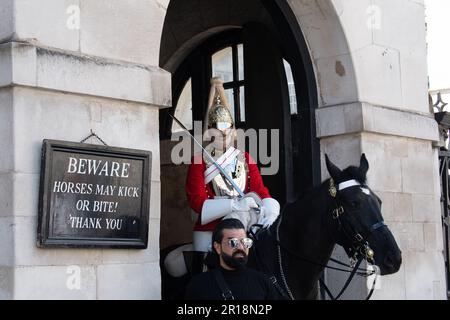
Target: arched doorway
point(257, 48)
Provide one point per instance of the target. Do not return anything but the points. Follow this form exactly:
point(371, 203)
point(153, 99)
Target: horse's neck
point(306, 222)
point(304, 230)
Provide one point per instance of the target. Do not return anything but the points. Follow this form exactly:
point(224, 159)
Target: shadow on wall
point(176, 222)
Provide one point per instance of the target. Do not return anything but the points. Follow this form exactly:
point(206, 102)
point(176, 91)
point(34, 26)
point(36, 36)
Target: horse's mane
point(353, 172)
point(350, 172)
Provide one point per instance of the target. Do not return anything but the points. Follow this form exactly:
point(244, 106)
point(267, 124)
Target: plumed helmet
point(218, 109)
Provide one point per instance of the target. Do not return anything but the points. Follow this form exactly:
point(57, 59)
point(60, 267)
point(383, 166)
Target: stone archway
point(315, 35)
point(315, 23)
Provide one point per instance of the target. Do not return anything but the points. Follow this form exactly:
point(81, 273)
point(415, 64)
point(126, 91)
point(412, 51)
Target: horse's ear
point(363, 165)
point(334, 171)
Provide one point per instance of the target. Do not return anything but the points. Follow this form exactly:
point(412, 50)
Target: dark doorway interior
point(258, 50)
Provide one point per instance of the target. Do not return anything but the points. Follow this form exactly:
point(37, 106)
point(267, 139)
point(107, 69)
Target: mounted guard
point(223, 182)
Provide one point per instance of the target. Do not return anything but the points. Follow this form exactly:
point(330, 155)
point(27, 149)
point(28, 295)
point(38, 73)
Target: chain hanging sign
point(93, 196)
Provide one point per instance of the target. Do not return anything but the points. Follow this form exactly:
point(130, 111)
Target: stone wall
point(62, 76)
point(370, 64)
point(59, 82)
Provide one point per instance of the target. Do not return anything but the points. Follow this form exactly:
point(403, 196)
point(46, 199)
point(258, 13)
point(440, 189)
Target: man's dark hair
point(217, 235)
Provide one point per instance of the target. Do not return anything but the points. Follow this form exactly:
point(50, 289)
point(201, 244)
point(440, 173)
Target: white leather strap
point(348, 184)
point(223, 161)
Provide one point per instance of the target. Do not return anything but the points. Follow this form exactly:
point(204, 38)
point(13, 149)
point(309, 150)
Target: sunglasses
point(246, 243)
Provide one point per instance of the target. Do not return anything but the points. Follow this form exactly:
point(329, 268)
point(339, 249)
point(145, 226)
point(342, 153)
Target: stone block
point(395, 206)
point(128, 30)
point(415, 78)
point(65, 72)
point(322, 28)
point(425, 276)
point(155, 200)
point(342, 119)
point(24, 64)
point(5, 64)
point(6, 194)
point(26, 194)
point(426, 208)
point(343, 151)
point(354, 16)
point(387, 206)
point(6, 283)
point(402, 34)
point(6, 131)
point(135, 256)
point(53, 23)
point(403, 207)
point(358, 117)
point(337, 80)
point(378, 74)
point(45, 113)
point(55, 283)
point(7, 242)
point(406, 124)
point(408, 36)
point(409, 236)
point(433, 237)
point(384, 168)
point(418, 169)
point(129, 281)
point(28, 254)
point(30, 65)
point(6, 20)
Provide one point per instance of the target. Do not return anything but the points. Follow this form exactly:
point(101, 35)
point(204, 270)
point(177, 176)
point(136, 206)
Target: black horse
point(344, 211)
point(295, 249)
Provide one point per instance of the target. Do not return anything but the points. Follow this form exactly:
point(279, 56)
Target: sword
point(210, 158)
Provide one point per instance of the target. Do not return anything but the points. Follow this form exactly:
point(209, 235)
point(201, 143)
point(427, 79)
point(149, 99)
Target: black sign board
point(93, 196)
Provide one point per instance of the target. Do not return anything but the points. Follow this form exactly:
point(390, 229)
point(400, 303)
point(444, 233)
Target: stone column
point(373, 99)
point(67, 67)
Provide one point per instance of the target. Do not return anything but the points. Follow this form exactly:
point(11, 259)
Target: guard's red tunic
point(197, 191)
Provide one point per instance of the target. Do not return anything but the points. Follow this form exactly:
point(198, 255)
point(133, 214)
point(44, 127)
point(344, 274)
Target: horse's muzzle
point(392, 262)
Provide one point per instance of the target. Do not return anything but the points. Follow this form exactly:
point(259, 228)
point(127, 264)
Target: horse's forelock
point(353, 172)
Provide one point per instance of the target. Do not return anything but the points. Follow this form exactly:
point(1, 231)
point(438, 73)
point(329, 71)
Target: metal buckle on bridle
point(368, 252)
point(332, 188)
point(358, 237)
point(337, 212)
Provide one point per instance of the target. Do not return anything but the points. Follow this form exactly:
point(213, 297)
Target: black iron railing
point(442, 117)
point(444, 161)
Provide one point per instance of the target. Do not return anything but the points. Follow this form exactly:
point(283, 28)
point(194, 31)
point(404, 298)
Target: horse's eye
point(354, 204)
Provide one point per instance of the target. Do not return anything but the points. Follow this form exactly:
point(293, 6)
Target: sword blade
point(210, 158)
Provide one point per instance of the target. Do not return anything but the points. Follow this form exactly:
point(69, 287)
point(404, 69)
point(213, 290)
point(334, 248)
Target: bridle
point(357, 243)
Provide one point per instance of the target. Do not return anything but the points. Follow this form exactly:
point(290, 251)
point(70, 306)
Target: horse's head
point(358, 224)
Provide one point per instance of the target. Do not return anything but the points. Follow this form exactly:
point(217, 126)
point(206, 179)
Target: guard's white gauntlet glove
point(270, 210)
point(217, 208)
point(243, 204)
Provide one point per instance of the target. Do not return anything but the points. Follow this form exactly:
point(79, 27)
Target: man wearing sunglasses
point(231, 280)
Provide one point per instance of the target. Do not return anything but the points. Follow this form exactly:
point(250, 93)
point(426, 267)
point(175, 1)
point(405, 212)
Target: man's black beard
point(233, 261)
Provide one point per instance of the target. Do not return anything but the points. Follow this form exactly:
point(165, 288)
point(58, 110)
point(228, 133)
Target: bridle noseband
point(359, 245)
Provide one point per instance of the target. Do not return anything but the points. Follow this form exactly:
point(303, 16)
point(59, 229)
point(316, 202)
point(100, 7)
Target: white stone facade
point(61, 77)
